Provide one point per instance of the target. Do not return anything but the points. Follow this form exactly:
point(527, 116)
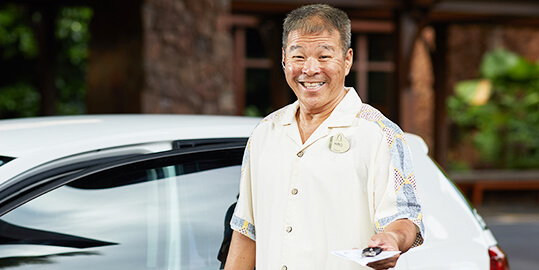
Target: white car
point(155, 192)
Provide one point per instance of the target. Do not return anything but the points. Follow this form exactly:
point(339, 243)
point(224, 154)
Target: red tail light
point(498, 260)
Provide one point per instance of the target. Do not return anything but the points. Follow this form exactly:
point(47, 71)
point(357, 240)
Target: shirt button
point(294, 191)
point(300, 154)
point(284, 267)
point(288, 229)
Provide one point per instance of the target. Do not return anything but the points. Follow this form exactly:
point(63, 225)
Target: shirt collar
point(343, 115)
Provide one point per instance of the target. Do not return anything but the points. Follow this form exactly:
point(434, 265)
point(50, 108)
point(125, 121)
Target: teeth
point(312, 85)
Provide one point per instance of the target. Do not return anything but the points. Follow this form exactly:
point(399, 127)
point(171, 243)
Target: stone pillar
point(422, 81)
point(187, 54)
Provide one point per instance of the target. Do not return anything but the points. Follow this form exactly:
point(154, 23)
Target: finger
point(380, 266)
point(373, 242)
point(384, 264)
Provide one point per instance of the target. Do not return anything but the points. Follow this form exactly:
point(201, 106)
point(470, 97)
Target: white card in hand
point(356, 255)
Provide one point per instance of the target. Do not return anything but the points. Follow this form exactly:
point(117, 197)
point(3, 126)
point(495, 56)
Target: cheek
point(291, 72)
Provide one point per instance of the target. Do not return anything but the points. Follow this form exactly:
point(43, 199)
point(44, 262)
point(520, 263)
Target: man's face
point(315, 68)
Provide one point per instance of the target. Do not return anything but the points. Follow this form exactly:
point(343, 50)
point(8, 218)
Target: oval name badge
point(339, 144)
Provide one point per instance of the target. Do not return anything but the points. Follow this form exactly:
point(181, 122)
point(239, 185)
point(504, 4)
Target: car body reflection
point(164, 222)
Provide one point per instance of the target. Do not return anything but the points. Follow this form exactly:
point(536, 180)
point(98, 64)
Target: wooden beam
point(288, 5)
point(238, 20)
point(381, 66)
point(499, 8)
point(264, 63)
point(372, 26)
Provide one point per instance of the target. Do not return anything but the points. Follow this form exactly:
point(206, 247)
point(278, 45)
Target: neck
point(309, 119)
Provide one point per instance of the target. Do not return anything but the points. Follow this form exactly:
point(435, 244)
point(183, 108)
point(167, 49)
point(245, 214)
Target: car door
point(159, 211)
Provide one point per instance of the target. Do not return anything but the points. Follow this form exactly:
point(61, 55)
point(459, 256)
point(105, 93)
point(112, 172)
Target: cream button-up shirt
point(300, 201)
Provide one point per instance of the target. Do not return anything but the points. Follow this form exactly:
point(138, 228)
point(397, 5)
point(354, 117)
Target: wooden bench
point(480, 180)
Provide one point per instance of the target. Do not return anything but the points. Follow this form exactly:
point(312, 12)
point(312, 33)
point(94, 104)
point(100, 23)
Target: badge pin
point(338, 143)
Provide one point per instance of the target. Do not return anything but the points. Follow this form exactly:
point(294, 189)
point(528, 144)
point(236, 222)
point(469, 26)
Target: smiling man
point(327, 172)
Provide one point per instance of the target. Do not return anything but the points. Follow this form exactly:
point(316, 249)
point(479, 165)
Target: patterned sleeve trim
point(244, 227)
point(384, 222)
point(408, 205)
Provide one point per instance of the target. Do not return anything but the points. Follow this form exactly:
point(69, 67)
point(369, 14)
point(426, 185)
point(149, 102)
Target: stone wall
point(468, 43)
point(187, 56)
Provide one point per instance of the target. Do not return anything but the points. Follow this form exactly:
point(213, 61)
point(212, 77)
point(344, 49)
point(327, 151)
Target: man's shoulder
point(280, 116)
point(272, 120)
point(380, 126)
point(370, 114)
point(272, 116)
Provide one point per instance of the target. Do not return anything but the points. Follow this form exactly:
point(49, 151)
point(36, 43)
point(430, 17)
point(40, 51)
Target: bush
point(499, 112)
point(19, 51)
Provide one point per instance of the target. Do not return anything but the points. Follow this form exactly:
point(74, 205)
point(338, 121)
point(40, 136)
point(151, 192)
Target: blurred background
point(464, 75)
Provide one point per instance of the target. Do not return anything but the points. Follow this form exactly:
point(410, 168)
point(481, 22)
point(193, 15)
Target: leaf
point(522, 70)
point(474, 92)
point(497, 63)
point(466, 89)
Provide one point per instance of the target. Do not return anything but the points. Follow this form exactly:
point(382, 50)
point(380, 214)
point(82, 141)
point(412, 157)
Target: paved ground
point(516, 227)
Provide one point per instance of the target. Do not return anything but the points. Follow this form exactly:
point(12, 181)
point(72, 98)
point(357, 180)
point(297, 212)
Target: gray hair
point(317, 18)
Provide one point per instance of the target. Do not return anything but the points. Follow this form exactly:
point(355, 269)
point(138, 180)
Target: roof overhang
point(455, 11)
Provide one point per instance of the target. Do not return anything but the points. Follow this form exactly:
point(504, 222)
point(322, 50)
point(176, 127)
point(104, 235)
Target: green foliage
point(21, 98)
point(505, 129)
point(18, 54)
point(74, 35)
point(19, 50)
point(16, 35)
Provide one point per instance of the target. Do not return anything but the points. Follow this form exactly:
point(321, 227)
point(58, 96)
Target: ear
point(348, 61)
point(282, 58)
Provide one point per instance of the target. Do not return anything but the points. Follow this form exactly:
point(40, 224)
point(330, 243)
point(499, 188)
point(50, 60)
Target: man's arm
point(399, 235)
point(242, 253)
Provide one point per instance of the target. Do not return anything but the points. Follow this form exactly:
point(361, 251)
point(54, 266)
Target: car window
point(4, 160)
point(157, 216)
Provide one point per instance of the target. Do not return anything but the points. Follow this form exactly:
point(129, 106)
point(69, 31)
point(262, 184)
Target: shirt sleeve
point(395, 194)
point(243, 218)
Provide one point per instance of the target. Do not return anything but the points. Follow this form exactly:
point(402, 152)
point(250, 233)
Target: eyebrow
point(297, 47)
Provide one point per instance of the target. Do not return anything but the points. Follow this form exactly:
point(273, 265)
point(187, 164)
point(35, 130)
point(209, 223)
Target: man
point(327, 172)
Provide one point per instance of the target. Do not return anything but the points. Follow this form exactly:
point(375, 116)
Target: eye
point(325, 57)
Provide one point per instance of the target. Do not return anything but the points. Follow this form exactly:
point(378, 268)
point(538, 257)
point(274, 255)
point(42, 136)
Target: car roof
point(41, 140)
point(26, 136)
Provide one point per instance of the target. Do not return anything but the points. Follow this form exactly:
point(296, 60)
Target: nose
point(311, 66)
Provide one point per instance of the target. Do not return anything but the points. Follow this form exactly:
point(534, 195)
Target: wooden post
point(47, 58)
point(441, 92)
point(115, 64)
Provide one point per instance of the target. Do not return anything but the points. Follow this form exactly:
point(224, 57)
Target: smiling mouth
point(310, 85)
